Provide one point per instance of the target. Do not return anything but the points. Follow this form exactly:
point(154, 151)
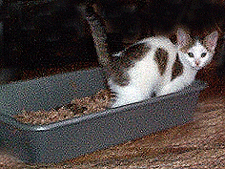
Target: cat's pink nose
point(197, 63)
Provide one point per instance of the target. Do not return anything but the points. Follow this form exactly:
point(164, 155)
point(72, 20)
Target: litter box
point(67, 139)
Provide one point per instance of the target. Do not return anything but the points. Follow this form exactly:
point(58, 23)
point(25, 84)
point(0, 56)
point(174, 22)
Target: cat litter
point(74, 136)
point(78, 107)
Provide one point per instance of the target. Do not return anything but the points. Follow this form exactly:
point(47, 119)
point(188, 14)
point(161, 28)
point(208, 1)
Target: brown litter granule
point(78, 107)
point(98, 102)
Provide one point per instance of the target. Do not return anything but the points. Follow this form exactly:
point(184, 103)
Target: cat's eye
point(203, 55)
point(191, 55)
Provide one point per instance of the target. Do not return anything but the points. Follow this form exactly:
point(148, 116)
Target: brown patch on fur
point(177, 68)
point(161, 57)
point(185, 48)
point(120, 65)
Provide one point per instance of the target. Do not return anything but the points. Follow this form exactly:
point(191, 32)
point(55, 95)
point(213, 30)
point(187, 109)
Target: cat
point(153, 66)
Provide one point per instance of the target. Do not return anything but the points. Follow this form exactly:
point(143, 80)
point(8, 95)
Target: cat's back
point(151, 50)
point(159, 42)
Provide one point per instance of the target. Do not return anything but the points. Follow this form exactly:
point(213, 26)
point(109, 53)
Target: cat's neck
point(188, 71)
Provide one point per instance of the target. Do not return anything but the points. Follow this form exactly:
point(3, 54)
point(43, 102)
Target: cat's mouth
point(197, 67)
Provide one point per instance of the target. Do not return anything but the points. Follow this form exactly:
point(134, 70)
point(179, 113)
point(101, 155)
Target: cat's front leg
point(172, 87)
point(167, 89)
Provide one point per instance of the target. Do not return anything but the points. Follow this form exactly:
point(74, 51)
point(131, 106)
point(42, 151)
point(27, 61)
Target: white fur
point(144, 76)
point(187, 77)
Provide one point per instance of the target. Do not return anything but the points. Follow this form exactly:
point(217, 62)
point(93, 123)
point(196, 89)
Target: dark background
point(45, 34)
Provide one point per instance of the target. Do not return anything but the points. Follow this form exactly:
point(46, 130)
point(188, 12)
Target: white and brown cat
point(153, 66)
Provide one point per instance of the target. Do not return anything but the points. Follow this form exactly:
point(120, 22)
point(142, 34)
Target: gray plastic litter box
point(67, 139)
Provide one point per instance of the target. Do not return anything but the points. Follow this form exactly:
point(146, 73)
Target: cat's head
point(196, 53)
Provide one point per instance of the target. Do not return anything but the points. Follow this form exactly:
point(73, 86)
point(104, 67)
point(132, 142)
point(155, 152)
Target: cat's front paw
point(166, 90)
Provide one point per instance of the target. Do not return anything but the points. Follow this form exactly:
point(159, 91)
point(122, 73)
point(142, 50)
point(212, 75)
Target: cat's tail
point(99, 34)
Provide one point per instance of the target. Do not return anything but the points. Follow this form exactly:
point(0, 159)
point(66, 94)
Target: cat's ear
point(210, 41)
point(183, 38)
